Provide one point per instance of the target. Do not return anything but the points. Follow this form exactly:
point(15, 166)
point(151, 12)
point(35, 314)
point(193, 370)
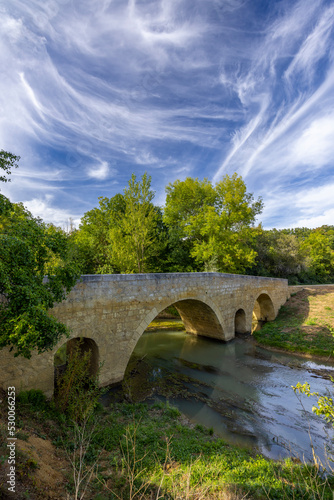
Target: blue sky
point(93, 90)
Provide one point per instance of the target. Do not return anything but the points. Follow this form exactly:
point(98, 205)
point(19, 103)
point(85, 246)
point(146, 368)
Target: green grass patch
point(141, 448)
point(150, 448)
point(311, 321)
point(295, 339)
point(166, 324)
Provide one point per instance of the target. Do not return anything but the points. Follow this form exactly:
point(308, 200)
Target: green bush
point(78, 392)
point(35, 398)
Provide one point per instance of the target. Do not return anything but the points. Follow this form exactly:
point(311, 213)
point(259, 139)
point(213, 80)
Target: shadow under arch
point(263, 311)
point(84, 344)
point(199, 317)
point(240, 325)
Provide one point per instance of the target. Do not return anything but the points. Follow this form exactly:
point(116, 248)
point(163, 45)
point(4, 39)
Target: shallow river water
point(240, 390)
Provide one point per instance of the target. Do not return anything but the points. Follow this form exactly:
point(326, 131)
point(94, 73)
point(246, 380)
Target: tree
point(218, 220)
point(320, 256)
point(132, 237)
point(279, 254)
point(184, 202)
point(7, 162)
point(93, 247)
point(35, 273)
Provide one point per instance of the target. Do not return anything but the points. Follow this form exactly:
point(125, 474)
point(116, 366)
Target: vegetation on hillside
point(134, 451)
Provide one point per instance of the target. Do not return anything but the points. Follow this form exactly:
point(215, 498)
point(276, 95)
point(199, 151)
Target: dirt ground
point(315, 304)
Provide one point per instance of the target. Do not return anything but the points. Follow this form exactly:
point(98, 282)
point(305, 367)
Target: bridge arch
point(115, 310)
point(84, 344)
point(263, 309)
point(200, 317)
point(240, 324)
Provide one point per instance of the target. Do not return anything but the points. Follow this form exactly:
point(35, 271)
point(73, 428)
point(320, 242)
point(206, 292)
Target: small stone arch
point(263, 310)
point(240, 322)
point(85, 344)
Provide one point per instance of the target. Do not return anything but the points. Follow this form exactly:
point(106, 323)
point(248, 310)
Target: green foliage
point(30, 250)
point(7, 162)
point(203, 227)
point(132, 237)
point(35, 398)
point(320, 254)
point(325, 404)
point(35, 273)
point(78, 391)
point(301, 255)
point(279, 255)
point(91, 242)
point(185, 200)
point(217, 220)
point(125, 234)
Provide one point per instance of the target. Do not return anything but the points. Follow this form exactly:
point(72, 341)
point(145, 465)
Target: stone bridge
point(111, 312)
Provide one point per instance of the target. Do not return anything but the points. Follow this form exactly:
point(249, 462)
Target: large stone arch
point(208, 319)
point(263, 309)
point(200, 317)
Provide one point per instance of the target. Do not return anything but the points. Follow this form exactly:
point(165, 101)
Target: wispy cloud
point(92, 91)
point(100, 171)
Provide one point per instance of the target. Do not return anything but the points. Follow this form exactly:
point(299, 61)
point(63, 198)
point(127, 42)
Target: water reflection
point(242, 391)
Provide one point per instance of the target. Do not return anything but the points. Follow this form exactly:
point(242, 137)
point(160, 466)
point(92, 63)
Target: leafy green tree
point(134, 234)
point(279, 254)
point(185, 200)
point(35, 273)
point(320, 256)
point(218, 220)
point(92, 243)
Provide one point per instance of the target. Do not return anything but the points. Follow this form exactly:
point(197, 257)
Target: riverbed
point(239, 390)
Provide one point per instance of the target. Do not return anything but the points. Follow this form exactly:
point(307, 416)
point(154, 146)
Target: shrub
point(78, 392)
point(34, 397)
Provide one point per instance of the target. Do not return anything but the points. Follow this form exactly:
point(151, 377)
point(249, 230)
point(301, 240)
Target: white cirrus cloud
point(100, 171)
point(315, 147)
point(44, 208)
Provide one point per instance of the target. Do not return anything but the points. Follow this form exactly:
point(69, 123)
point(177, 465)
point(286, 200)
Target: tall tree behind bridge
point(134, 234)
point(218, 220)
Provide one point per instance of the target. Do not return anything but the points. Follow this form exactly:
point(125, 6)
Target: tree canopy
point(35, 273)
point(217, 219)
point(7, 162)
point(202, 227)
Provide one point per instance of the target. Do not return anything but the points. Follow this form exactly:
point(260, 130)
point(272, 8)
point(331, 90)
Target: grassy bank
point(165, 324)
point(143, 452)
point(305, 324)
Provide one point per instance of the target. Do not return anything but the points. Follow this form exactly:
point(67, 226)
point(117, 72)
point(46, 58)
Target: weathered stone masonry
point(114, 311)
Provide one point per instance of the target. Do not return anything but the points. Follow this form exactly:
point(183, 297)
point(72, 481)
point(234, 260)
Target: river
point(241, 391)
